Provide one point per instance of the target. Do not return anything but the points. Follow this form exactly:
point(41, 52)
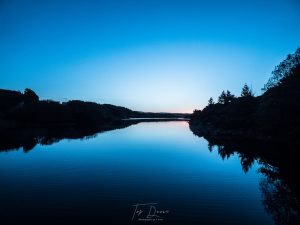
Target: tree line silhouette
point(26, 109)
point(227, 97)
point(273, 115)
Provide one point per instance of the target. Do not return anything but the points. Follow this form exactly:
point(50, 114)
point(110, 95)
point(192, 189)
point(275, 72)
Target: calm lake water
point(101, 180)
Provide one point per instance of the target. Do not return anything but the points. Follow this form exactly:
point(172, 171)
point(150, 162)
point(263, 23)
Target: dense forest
point(26, 109)
point(272, 116)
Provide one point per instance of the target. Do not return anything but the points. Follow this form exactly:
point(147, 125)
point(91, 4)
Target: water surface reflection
point(100, 179)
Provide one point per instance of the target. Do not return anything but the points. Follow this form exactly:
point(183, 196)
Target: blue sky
point(145, 55)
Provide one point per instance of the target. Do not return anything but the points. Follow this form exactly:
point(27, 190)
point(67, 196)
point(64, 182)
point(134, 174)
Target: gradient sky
point(146, 55)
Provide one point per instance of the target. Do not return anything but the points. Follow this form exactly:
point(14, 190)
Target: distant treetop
point(226, 97)
point(211, 101)
point(246, 91)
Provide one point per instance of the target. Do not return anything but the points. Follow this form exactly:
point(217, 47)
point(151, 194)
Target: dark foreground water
point(148, 173)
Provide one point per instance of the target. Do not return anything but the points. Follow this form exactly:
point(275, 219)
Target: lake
point(150, 172)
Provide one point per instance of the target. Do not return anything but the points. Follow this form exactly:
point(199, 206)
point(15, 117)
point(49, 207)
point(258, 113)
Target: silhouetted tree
point(211, 101)
point(283, 70)
point(30, 95)
point(246, 91)
point(222, 98)
point(229, 97)
point(226, 97)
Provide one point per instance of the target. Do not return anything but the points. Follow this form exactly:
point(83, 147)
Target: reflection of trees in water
point(28, 138)
point(246, 161)
point(226, 152)
point(277, 197)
